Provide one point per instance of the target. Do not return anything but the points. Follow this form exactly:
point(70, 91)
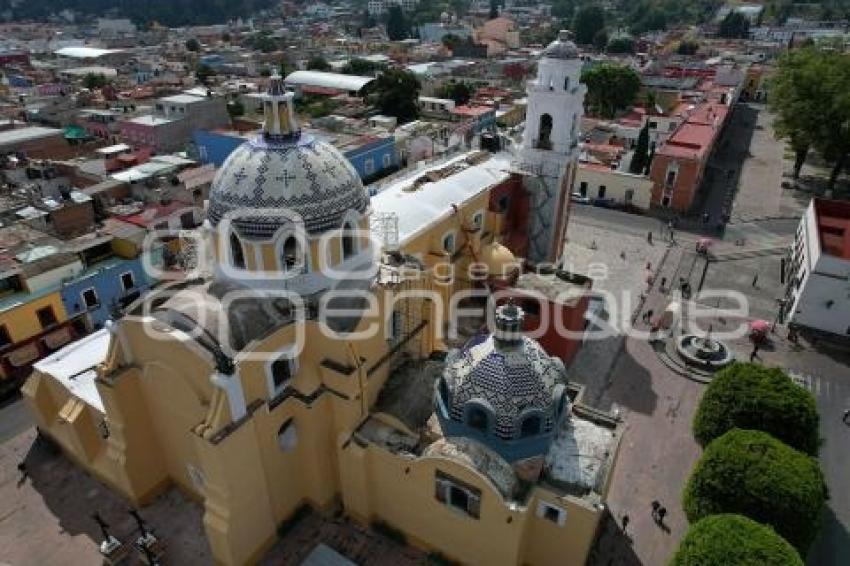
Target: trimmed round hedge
point(733, 540)
point(751, 473)
point(754, 397)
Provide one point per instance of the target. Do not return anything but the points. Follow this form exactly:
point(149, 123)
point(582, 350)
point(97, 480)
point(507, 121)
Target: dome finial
point(279, 119)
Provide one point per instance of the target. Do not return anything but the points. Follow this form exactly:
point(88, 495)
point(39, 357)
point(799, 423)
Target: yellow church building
point(309, 368)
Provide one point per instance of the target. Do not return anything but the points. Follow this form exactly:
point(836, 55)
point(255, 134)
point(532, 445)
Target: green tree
point(751, 396)
point(620, 45)
point(734, 26)
point(733, 540)
point(395, 93)
point(687, 47)
point(809, 93)
point(397, 26)
point(318, 63)
point(460, 92)
point(610, 87)
point(641, 155)
point(564, 9)
point(193, 45)
point(600, 40)
point(361, 67)
point(751, 473)
point(587, 23)
point(203, 73)
point(235, 108)
point(94, 81)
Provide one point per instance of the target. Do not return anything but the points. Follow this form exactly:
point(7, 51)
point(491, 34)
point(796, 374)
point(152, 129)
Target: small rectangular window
point(127, 281)
point(46, 316)
point(369, 166)
point(5, 339)
point(281, 372)
point(551, 513)
point(458, 495)
point(388, 160)
point(90, 299)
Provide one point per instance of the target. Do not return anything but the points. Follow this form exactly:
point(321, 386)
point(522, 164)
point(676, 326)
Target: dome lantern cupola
point(279, 121)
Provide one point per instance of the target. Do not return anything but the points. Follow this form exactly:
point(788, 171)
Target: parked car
point(578, 198)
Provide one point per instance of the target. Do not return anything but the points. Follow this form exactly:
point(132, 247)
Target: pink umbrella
point(759, 325)
point(705, 242)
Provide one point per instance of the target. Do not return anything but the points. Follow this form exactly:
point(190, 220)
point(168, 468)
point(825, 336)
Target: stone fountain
point(704, 352)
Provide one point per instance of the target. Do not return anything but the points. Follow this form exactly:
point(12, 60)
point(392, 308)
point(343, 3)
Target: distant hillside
point(166, 12)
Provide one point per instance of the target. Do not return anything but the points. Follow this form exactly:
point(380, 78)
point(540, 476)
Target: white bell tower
point(549, 151)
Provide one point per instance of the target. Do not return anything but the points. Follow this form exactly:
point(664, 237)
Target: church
point(316, 357)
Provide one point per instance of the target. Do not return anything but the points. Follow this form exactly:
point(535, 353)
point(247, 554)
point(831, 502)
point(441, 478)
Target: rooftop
point(74, 366)
point(327, 80)
point(82, 52)
point(182, 99)
point(21, 135)
point(419, 201)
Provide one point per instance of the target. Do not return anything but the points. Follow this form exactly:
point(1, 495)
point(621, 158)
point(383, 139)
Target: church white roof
point(327, 80)
point(419, 208)
point(73, 366)
point(82, 52)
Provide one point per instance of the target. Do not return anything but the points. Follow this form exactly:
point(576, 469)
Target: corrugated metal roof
point(327, 80)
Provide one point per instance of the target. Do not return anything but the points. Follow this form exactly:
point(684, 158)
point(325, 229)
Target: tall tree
point(397, 26)
point(641, 155)
point(395, 93)
point(810, 94)
point(734, 26)
point(318, 63)
point(588, 21)
point(193, 44)
point(610, 88)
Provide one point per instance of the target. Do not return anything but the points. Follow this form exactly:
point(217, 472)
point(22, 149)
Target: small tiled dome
point(562, 48)
point(503, 389)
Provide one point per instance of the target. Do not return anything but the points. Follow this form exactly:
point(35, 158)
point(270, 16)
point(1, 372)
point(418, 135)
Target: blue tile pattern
point(305, 176)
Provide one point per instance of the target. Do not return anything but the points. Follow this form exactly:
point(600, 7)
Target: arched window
point(292, 255)
point(476, 417)
point(544, 136)
point(530, 426)
point(444, 391)
point(349, 243)
point(237, 254)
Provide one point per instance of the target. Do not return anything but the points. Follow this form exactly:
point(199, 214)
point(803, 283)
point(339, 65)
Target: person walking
point(755, 353)
point(649, 237)
point(755, 281)
point(625, 521)
point(655, 507)
point(662, 512)
point(846, 417)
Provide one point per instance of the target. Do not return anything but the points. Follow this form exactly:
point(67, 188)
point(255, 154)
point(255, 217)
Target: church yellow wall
point(397, 489)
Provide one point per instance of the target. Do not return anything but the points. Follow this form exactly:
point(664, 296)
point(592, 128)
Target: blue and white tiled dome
point(503, 389)
point(284, 169)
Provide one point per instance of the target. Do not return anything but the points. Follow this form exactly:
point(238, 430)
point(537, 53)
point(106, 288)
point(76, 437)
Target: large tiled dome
point(308, 177)
point(282, 174)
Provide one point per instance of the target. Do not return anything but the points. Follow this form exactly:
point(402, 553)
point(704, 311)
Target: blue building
point(371, 156)
point(103, 287)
